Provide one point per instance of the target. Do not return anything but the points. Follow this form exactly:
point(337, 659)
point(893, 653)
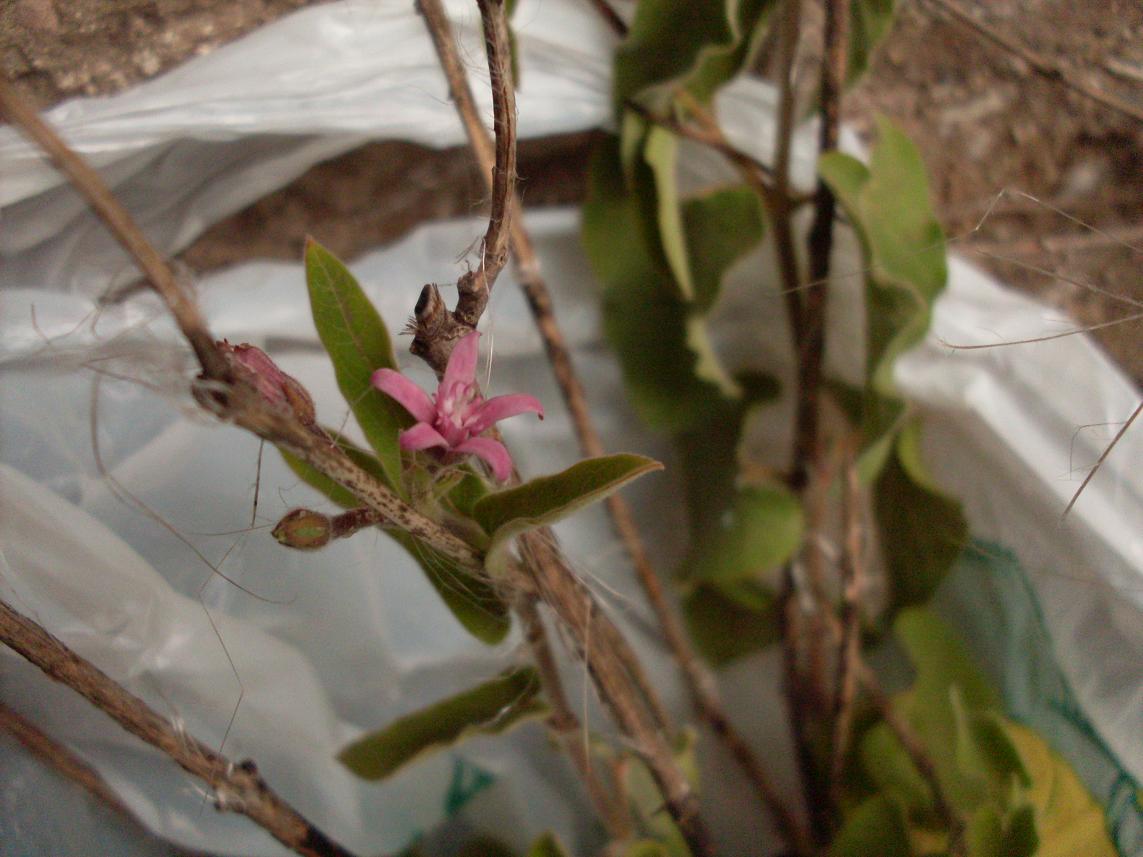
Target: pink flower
point(453, 419)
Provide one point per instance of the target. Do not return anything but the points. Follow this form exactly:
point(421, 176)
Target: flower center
point(456, 407)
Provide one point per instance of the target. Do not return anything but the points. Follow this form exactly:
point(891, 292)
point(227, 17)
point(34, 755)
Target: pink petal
point(491, 451)
point(461, 368)
point(414, 400)
point(421, 436)
point(500, 408)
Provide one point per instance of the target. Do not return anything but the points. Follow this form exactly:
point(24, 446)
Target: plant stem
point(237, 787)
point(621, 681)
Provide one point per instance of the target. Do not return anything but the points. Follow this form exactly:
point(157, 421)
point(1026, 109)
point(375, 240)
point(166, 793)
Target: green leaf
point(358, 344)
point(903, 247)
point(721, 227)
point(761, 530)
point(474, 602)
point(491, 708)
point(723, 628)
point(924, 530)
point(941, 661)
point(868, 22)
point(874, 827)
point(661, 151)
point(644, 318)
point(893, 772)
point(693, 44)
point(546, 499)
point(547, 846)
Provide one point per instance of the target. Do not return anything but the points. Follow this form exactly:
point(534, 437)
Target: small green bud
point(304, 529)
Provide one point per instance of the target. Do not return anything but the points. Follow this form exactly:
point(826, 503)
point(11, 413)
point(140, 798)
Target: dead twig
point(1049, 68)
point(237, 787)
point(436, 328)
point(62, 760)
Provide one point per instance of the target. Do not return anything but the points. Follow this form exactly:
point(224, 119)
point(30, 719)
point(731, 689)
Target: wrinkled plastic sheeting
point(315, 648)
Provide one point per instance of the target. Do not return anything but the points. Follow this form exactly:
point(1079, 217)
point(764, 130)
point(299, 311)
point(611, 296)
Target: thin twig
point(21, 113)
point(912, 743)
point(1049, 68)
point(608, 13)
point(237, 787)
point(811, 349)
point(567, 728)
point(437, 329)
point(780, 208)
point(849, 648)
point(917, 752)
point(62, 760)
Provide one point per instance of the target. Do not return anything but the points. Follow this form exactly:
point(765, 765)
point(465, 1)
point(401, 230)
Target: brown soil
point(985, 120)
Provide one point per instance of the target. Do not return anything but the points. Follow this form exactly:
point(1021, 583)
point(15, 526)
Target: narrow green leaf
point(358, 344)
point(547, 846)
point(924, 529)
point(661, 153)
point(474, 602)
point(762, 529)
point(724, 628)
point(546, 499)
point(875, 827)
point(490, 708)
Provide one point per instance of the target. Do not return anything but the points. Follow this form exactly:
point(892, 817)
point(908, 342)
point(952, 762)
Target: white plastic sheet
point(333, 643)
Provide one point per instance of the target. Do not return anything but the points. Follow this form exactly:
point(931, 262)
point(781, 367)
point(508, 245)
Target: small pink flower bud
point(274, 385)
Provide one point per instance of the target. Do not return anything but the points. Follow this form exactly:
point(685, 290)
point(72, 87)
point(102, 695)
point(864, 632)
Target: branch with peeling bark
point(237, 787)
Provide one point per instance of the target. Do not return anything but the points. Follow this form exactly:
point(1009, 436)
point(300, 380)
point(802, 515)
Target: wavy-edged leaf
point(696, 45)
point(474, 602)
point(868, 22)
point(925, 529)
point(546, 499)
point(727, 626)
point(651, 328)
point(358, 344)
point(875, 827)
point(903, 248)
point(490, 708)
point(721, 227)
point(761, 529)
